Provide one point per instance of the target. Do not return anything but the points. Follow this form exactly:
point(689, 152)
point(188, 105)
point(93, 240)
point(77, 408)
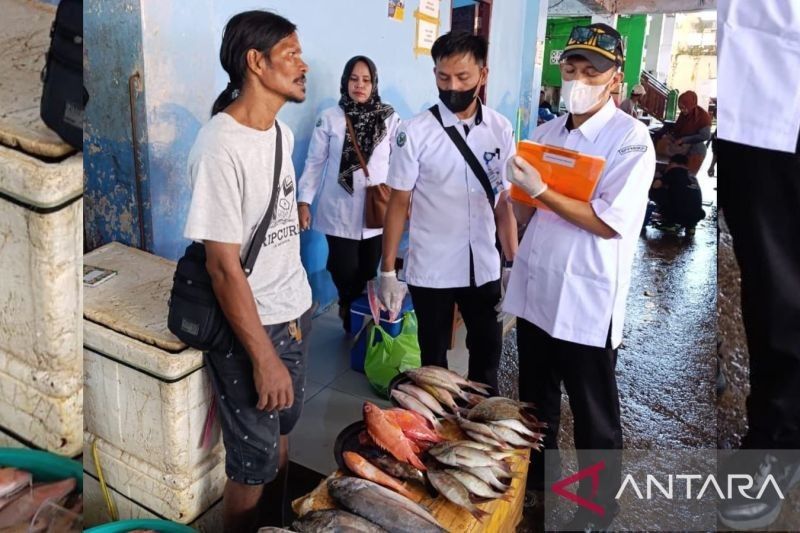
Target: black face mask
point(457, 101)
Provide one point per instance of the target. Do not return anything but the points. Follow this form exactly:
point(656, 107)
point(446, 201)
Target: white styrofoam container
point(96, 511)
point(146, 395)
point(41, 247)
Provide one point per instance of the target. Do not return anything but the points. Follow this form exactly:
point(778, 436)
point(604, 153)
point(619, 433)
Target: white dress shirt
point(758, 89)
point(450, 213)
point(339, 213)
point(566, 280)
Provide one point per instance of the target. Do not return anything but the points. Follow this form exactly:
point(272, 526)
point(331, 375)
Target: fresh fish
point(392, 511)
point(423, 396)
point(480, 428)
point(363, 468)
point(388, 436)
point(443, 397)
point(487, 474)
point(512, 437)
point(465, 458)
point(421, 376)
point(476, 485)
point(457, 378)
point(474, 399)
point(413, 424)
point(519, 427)
point(501, 455)
point(499, 408)
point(488, 448)
point(12, 480)
point(409, 402)
point(26, 504)
point(453, 490)
point(486, 440)
point(331, 521)
point(392, 466)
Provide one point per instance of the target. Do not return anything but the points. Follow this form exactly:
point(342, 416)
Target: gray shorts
point(251, 436)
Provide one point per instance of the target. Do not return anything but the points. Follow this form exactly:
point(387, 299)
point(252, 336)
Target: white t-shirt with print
point(232, 167)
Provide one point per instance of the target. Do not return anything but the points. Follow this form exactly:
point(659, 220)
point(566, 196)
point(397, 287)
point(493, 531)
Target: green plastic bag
point(389, 356)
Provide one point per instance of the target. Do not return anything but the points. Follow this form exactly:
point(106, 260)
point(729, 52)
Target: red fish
point(414, 425)
point(389, 436)
point(363, 468)
point(12, 480)
point(25, 506)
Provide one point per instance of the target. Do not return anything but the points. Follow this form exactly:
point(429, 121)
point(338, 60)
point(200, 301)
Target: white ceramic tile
point(356, 383)
point(312, 388)
point(329, 355)
point(311, 441)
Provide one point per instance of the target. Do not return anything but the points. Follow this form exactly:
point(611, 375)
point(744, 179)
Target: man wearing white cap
point(632, 105)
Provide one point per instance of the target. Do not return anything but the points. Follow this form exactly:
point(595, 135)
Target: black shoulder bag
point(195, 316)
point(469, 156)
point(63, 94)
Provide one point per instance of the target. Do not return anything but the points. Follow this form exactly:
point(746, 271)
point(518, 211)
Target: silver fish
point(476, 485)
point(409, 402)
point(333, 521)
point(388, 509)
point(467, 458)
point(510, 436)
point(456, 378)
point(486, 440)
point(453, 490)
point(423, 396)
point(487, 474)
point(426, 377)
point(519, 427)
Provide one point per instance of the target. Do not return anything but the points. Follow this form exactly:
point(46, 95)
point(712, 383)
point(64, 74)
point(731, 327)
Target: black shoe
point(751, 512)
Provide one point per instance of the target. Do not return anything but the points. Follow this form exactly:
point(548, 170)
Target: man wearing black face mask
point(452, 157)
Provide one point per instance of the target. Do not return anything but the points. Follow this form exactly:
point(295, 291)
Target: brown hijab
point(693, 119)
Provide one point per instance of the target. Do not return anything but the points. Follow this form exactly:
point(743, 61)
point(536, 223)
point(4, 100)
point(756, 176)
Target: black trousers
point(352, 263)
point(434, 308)
point(759, 194)
point(591, 384)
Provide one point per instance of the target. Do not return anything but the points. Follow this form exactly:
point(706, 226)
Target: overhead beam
point(568, 8)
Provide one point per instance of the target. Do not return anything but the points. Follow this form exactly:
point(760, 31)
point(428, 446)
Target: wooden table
point(503, 516)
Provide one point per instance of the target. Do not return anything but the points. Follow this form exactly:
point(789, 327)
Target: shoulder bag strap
point(359, 155)
point(469, 156)
point(258, 238)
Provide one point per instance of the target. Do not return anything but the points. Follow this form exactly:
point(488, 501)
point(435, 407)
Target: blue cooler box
point(359, 312)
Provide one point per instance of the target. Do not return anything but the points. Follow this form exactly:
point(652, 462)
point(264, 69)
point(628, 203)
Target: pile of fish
point(21, 499)
point(407, 445)
point(470, 471)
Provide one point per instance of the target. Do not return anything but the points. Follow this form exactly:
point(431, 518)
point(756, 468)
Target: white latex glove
point(524, 176)
point(504, 277)
point(391, 292)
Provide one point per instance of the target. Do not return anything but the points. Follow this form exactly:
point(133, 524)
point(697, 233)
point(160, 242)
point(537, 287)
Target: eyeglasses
point(595, 37)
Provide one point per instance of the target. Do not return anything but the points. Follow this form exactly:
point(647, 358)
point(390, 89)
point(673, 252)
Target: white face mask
point(580, 97)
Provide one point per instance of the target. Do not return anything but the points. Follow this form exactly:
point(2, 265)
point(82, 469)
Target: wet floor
point(666, 370)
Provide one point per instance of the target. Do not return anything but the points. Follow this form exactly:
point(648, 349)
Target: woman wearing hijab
point(691, 131)
point(334, 178)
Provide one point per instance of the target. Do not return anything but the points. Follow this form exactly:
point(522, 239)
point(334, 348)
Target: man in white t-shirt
point(259, 383)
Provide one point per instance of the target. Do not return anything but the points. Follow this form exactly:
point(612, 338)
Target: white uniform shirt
point(338, 213)
point(568, 281)
point(759, 73)
point(449, 210)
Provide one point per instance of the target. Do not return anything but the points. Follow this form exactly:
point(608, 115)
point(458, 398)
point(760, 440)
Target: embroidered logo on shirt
point(319, 122)
point(633, 148)
point(401, 138)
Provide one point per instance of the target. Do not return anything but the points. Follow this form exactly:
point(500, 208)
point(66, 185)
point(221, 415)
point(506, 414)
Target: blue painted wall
point(175, 46)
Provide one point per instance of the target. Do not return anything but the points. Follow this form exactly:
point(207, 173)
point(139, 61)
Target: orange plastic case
point(569, 172)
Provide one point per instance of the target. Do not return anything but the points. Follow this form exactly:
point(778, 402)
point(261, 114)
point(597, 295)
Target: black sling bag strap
point(195, 316)
point(258, 238)
point(469, 156)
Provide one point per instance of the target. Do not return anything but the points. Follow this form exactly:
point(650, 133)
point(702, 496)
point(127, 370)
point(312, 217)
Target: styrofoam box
point(41, 244)
point(146, 395)
point(96, 512)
